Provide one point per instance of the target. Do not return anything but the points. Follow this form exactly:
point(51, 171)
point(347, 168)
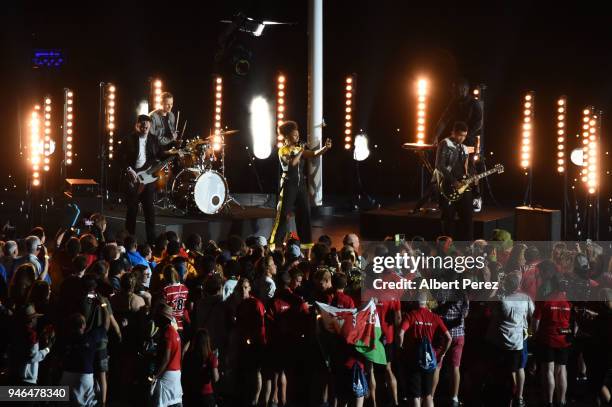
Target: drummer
point(163, 122)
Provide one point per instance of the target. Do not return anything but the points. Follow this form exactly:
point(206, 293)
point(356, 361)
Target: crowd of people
point(194, 322)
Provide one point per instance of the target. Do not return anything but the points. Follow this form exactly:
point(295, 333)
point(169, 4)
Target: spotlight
point(361, 150)
point(261, 127)
point(111, 97)
point(349, 98)
point(422, 86)
point(561, 109)
point(281, 81)
point(527, 128)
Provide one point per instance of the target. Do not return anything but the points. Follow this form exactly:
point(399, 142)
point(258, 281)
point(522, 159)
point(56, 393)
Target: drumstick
point(178, 116)
point(184, 127)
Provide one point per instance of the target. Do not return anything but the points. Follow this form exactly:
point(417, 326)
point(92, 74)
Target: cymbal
point(197, 142)
point(222, 133)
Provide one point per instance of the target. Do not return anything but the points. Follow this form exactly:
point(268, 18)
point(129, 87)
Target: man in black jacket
point(451, 167)
point(139, 151)
point(464, 107)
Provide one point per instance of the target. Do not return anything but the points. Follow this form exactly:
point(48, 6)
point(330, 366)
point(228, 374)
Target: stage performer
point(293, 195)
point(163, 122)
point(139, 151)
point(464, 107)
point(451, 167)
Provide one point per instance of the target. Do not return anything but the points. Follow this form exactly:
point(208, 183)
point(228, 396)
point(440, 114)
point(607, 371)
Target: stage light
point(261, 127)
point(156, 91)
point(422, 86)
point(110, 97)
point(561, 110)
point(593, 154)
point(527, 129)
point(281, 81)
point(68, 133)
point(349, 98)
point(361, 150)
point(218, 84)
point(35, 145)
point(586, 127)
point(47, 134)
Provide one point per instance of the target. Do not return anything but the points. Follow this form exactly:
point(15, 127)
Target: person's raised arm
point(311, 154)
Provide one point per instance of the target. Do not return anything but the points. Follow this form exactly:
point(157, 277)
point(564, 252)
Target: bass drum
point(204, 192)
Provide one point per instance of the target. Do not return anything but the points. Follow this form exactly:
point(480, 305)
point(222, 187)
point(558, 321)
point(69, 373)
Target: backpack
point(426, 356)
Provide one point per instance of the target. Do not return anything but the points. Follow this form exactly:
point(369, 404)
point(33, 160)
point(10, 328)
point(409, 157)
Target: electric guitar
point(141, 178)
point(453, 193)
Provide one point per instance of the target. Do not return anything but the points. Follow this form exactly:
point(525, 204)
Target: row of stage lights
point(349, 106)
point(280, 106)
point(110, 97)
point(68, 134)
point(41, 148)
point(527, 130)
point(217, 139)
point(590, 128)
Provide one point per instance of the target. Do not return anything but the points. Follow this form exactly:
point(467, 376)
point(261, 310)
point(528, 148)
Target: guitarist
point(139, 151)
point(451, 167)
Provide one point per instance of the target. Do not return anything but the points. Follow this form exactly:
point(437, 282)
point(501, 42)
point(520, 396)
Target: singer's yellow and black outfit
point(292, 198)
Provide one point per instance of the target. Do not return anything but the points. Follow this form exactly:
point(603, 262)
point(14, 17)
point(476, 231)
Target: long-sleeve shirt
point(451, 160)
point(25, 356)
point(162, 126)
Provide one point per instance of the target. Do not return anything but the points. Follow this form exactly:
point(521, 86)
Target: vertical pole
point(315, 97)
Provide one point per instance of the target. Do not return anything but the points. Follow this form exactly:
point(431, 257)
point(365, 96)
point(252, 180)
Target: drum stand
point(165, 203)
point(230, 198)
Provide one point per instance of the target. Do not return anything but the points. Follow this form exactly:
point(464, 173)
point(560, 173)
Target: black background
point(388, 44)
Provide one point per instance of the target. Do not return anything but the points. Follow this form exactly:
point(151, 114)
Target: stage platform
point(376, 224)
point(243, 222)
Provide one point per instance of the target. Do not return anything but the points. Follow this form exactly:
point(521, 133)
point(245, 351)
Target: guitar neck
point(482, 175)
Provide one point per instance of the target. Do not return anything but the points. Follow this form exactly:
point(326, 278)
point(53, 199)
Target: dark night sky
point(386, 43)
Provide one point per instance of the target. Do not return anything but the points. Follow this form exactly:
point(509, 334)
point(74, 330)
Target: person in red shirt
point(166, 380)
point(418, 324)
point(175, 294)
point(250, 337)
point(287, 322)
point(201, 368)
point(530, 282)
point(552, 323)
point(390, 316)
point(339, 298)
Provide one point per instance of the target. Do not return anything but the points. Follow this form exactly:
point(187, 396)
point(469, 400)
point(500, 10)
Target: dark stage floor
point(374, 224)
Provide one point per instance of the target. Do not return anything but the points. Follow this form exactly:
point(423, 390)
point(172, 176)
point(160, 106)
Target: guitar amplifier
point(84, 194)
point(81, 187)
point(537, 224)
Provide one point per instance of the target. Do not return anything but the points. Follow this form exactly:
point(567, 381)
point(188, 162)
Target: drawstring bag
point(426, 356)
point(360, 383)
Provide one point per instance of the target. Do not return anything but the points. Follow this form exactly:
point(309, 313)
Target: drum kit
point(199, 185)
